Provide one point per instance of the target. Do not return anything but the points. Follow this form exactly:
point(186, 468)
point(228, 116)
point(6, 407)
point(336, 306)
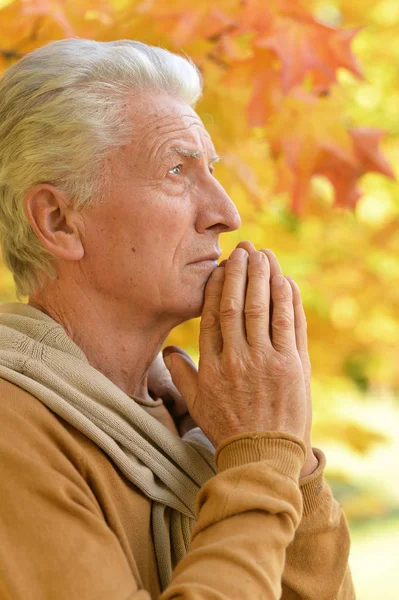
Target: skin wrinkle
point(156, 135)
point(117, 305)
point(154, 156)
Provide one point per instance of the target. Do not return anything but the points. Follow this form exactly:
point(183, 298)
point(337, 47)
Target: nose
point(217, 212)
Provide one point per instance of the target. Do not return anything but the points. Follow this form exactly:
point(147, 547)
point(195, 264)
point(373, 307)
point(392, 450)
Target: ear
point(57, 226)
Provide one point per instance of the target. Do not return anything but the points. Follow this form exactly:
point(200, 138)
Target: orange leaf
point(344, 175)
point(186, 27)
point(267, 95)
point(256, 16)
point(14, 28)
point(344, 179)
point(309, 47)
point(49, 8)
point(309, 135)
point(200, 22)
point(367, 147)
point(306, 126)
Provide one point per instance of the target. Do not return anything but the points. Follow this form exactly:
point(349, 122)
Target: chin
point(191, 309)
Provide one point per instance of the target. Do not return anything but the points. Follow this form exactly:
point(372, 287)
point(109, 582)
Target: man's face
point(165, 211)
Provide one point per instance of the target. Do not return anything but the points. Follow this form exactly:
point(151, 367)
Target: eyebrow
point(196, 154)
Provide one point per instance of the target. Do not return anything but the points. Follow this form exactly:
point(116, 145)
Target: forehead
point(161, 123)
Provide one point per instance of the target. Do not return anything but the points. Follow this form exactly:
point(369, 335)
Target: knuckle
point(283, 321)
point(285, 364)
point(256, 309)
point(283, 293)
point(230, 307)
point(234, 365)
point(276, 365)
point(208, 321)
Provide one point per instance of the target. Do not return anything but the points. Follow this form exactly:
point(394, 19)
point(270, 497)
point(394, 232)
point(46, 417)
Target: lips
point(214, 257)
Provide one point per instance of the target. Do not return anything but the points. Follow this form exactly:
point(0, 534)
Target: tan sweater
point(73, 527)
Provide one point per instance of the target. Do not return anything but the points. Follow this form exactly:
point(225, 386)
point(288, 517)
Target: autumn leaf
point(15, 29)
point(309, 47)
point(49, 8)
point(306, 128)
point(344, 175)
point(366, 142)
point(202, 21)
point(309, 138)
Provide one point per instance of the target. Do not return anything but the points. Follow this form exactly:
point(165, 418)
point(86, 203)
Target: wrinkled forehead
point(162, 123)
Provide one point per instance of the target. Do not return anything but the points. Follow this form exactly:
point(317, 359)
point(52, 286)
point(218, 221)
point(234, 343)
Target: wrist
point(310, 465)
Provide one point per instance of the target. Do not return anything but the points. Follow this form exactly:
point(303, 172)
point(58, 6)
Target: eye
point(176, 170)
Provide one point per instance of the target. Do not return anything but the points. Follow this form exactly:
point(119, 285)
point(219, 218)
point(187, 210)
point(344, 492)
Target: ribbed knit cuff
point(312, 485)
point(284, 452)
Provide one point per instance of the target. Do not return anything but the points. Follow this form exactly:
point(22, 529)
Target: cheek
point(178, 186)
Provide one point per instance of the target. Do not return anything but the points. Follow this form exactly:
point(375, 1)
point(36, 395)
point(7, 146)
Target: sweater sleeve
point(317, 559)
point(246, 518)
point(54, 540)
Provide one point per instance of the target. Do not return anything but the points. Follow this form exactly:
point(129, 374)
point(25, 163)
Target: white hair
point(62, 114)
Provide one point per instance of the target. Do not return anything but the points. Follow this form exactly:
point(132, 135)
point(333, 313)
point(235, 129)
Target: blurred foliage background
point(302, 102)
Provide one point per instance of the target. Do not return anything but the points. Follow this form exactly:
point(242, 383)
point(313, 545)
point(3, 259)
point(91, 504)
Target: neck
point(119, 342)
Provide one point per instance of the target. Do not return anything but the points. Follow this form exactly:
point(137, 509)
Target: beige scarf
point(37, 355)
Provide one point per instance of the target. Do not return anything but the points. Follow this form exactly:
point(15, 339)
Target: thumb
point(183, 372)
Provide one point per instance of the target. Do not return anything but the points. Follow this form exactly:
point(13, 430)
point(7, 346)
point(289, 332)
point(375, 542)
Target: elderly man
point(110, 218)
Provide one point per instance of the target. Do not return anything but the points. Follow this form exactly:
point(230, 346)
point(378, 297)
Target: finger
point(178, 350)
point(275, 268)
point(172, 398)
point(186, 424)
point(283, 324)
point(232, 302)
point(157, 376)
point(183, 373)
point(210, 338)
point(257, 303)
point(301, 335)
point(247, 245)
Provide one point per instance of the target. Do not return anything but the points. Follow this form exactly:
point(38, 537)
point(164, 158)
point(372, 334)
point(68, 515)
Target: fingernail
point(239, 253)
point(218, 272)
point(278, 281)
point(165, 354)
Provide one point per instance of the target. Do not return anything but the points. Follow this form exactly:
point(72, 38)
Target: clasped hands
point(285, 332)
